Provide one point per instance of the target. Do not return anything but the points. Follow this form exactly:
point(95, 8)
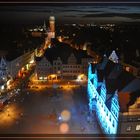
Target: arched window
point(102, 104)
point(113, 124)
point(107, 113)
point(116, 114)
point(110, 118)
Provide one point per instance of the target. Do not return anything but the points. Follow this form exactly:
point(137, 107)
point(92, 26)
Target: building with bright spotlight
point(113, 94)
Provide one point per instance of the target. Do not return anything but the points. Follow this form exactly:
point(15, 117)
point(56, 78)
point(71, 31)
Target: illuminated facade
point(105, 105)
point(16, 66)
point(3, 68)
point(52, 26)
point(113, 94)
point(71, 69)
point(3, 74)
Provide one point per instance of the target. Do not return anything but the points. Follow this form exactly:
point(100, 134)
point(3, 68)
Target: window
point(107, 113)
point(116, 114)
point(138, 127)
point(113, 123)
point(128, 128)
point(99, 100)
point(110, 118)
point(102, 105)
point(138, 119)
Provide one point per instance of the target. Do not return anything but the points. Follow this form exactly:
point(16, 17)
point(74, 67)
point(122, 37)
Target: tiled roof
point(132, 86)
point(108, 101)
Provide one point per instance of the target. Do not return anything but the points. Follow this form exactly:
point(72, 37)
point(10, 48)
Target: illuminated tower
point(52, 26)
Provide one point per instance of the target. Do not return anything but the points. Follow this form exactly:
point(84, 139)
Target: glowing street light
point(81, 77)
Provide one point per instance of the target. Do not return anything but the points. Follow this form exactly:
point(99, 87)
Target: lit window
point(127, 69)
point(40, 78)
point(128, 128)
point(138, 119)
point(138, 127)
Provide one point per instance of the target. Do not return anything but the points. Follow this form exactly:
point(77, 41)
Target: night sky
point(70, 13)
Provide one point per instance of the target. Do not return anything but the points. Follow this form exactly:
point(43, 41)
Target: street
point(41, 112)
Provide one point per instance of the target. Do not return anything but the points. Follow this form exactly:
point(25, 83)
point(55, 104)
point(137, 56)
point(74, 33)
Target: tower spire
point(52, 26)
point(44, 26)
point(113, 57)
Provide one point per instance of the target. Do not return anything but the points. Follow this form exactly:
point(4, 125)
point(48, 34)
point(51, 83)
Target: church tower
point(113, 57)
point(52, 25)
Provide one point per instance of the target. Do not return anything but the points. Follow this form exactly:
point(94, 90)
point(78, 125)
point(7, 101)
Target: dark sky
point(70, 13)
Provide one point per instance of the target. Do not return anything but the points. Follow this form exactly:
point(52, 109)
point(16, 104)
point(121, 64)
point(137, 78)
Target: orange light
point(64, 128)
point(65, 115)
point(9, 115)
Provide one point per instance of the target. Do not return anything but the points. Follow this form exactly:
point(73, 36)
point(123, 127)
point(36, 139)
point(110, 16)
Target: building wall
point(132, 69)
point(85, 62)
point(15, 65)
point(71, 69)
point(43, 68)
point(130, 121)
point(129, 124)
point(107, 117)
point(57, 65)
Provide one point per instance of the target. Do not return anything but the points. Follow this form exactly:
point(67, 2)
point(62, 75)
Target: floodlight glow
point(97, 102)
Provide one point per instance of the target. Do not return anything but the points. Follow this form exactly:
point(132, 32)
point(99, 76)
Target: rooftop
point(64, 51)
point(118, 79)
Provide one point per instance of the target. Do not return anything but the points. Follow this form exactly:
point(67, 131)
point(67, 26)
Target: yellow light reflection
point(53, 76)
point(81, 77)
point(9, 115)
point(65, 115)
